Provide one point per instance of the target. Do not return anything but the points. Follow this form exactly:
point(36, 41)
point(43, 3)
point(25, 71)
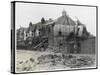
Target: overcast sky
point(30, 12)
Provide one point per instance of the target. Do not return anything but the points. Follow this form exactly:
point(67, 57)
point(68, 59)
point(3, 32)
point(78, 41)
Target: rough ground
point(33, 61)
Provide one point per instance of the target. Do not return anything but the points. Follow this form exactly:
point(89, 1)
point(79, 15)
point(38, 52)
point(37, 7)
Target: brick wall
point(88, 46)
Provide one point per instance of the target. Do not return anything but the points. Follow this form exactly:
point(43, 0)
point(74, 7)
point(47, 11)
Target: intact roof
point(65, 20)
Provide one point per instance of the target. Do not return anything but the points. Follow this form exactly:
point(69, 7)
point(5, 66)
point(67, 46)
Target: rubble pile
point(71, 61)
point(54, 61)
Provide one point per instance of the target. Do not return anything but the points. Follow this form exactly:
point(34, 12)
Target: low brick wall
point(88, 46)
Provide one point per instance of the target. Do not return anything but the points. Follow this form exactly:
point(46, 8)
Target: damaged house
point(61, 35)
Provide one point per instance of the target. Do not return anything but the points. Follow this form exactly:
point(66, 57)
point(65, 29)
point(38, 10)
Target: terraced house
point(61, 35)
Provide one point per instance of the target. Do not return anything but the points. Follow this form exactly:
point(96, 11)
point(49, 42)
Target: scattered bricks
point(20, 62)
point(31, 59)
